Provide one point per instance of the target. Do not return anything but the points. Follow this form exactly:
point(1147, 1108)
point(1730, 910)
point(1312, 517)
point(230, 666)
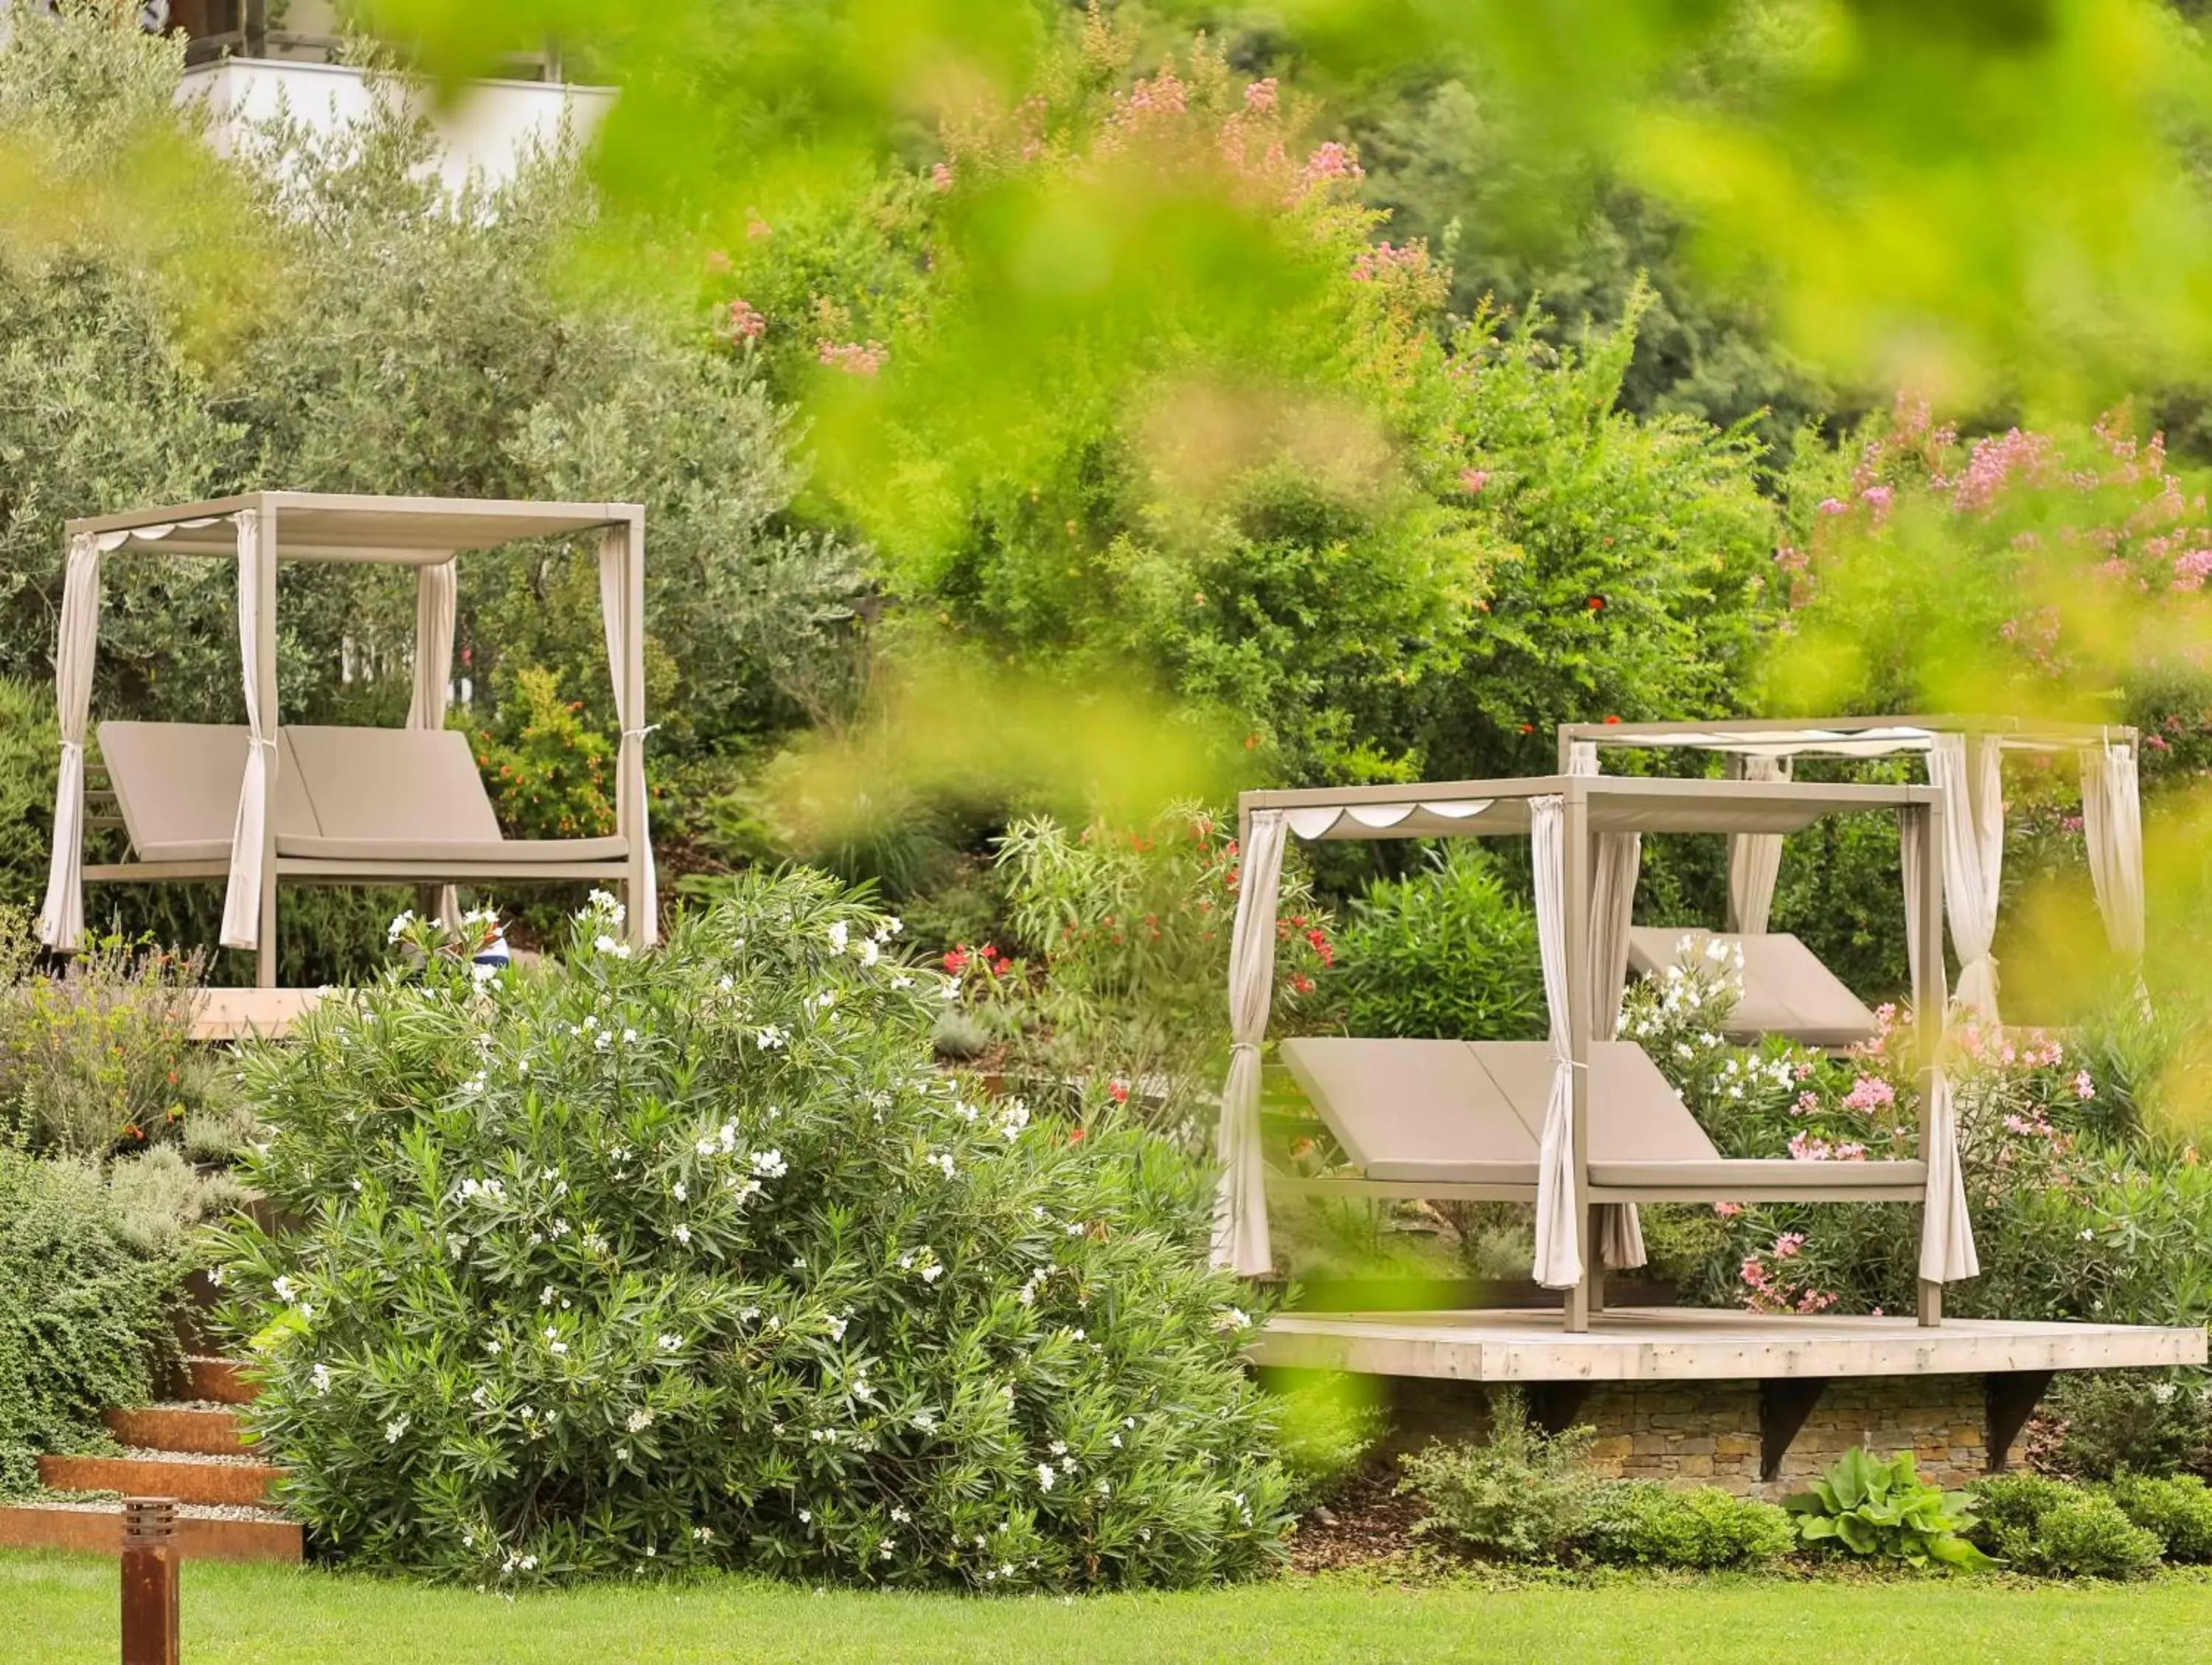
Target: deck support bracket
point(1555, 1406)
point(1784, 1402)
point(2010, 1399)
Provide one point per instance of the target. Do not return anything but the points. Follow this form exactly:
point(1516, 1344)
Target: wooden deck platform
point(1689, 1344)
point(229, 1014)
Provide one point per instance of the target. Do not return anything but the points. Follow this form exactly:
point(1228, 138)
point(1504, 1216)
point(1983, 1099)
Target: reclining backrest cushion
point(1634, 1116)
point(400, 785)
point(1392, 1102)
point(1786, 989)
point(177, 786)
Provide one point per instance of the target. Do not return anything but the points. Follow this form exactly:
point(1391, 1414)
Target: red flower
point(1076, 1138)
point(1303, 984)
point(1528, 728)
point(956, 961)
point(1612, 719)
point(1595, 604)
point(1120, 1094)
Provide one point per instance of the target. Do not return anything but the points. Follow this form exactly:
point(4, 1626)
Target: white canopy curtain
point(1754, 859)
point(436, 601)
point(241, 901)
point(1558, 1262)
point(2112, 827)
point(629, 761)
point(1972, 786)
point(1612, 910)
point(1947, 1234)
point(61, 918)
point(1240, 1209)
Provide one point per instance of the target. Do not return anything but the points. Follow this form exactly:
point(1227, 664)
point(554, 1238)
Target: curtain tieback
point(69, 746)
point(638, 733)
point(1236, 1047)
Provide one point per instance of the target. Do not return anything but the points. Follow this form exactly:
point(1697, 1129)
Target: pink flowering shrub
point(641, 1264)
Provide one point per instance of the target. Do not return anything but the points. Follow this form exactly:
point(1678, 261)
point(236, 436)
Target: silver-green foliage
point(1523, 1493)
point(84, 1323)
point(631, 1263)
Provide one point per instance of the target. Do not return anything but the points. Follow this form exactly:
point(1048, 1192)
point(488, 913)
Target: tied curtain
point(1613, 905)
point(61, 918)
point(1558, 1262)
point(629, 761)
point(1240, 1209)
point(436, 598)
point(1754, 859)
point(2112, 827)
point(1973, 859)
point(241, 901)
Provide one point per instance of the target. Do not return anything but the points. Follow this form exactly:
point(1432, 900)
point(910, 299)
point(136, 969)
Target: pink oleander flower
point(1879, 499)
point(1833, 506)
point(1788, 1243)
point(1332, 160)
point(2084, 1088)
point(737, 321)
point(1869, 1092)
point(1728, 1211)
point(1472, 480)
point(853, 358)
point(1806, 1103)
point(1260, 96)
point(940, 177)
point(1806, 1147)
point(1851, 1154)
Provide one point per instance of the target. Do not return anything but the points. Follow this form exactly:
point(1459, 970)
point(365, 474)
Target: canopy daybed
point(1583, 1126)
point(1786, 990)
point(259, 802)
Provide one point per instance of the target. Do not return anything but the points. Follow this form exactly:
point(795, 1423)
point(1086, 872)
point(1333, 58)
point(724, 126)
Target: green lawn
point(55, 1609)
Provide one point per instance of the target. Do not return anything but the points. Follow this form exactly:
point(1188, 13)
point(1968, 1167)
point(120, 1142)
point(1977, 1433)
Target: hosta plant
point(634, 1262)
point(1883, 1510)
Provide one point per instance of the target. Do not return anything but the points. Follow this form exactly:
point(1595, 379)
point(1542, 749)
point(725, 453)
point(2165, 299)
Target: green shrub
point(1523, 1493)
point(691, 1258)
point(1450, 953)
point(159, 1196)
point(2037, 1524)
point(1704, 1528)
point(84, 1321)
point(1326, 1428)
point(2177, 1510)
point(2099, 1424)
point(99, 1057)
point(1884, 1510)
point(28, 761)
point(551, 775)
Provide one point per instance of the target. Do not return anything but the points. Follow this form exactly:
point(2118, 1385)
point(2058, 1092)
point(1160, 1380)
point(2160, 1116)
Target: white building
point(247, 71)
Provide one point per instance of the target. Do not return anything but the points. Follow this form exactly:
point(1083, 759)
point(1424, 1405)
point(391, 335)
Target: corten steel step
point(202, 1533)
point(221, 1380)
point(186, 1477)
point(208, 1429)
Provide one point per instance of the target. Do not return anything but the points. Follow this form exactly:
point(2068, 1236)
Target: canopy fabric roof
point(1842, 737)
point(1617, 803)
point(347, 527)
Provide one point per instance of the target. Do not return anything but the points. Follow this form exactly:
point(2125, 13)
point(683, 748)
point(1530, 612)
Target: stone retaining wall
point(1707, 1432)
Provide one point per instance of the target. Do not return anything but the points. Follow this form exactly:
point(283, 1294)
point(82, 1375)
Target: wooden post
point(265, 693)
point(1576, 837)
point(631, 804)
point(149, 1582)
point(1928, 997)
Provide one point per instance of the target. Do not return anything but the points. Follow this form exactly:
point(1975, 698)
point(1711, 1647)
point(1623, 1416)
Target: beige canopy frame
point(322, 806)
point(1964, 756)
point(1585, 832)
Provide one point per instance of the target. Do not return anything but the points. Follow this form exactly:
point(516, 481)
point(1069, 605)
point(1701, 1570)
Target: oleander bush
point(1704, 1528)
point(2101, 1424)
point(86, 1321)
point(2036, 1524)
point(690, 1258)
point(1448, 952)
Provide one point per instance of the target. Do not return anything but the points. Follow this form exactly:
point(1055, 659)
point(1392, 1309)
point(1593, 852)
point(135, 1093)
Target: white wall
point(493, 122)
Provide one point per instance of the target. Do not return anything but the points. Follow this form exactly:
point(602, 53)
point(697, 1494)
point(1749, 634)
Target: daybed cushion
point(1786, 989)
point(1472, 1113)
point(422, 852)
point(394, 787)
point(177, 787)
